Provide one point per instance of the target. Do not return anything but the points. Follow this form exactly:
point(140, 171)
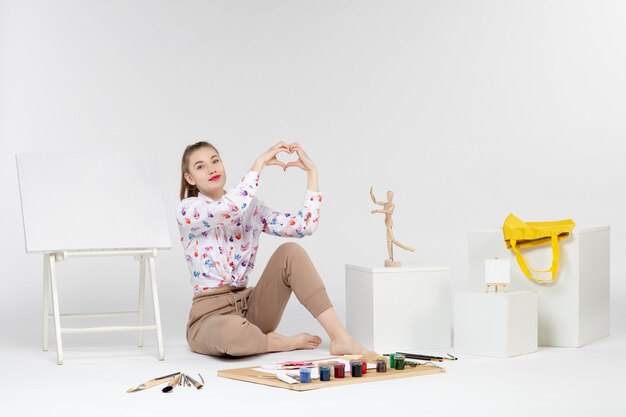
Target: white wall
point(468, 110)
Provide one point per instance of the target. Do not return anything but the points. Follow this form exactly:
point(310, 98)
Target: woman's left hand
point(303, 162)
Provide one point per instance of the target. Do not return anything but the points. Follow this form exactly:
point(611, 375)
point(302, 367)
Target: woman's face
point(206, 172)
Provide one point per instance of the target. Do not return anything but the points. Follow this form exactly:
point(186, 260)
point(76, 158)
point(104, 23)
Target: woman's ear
point(189, 180)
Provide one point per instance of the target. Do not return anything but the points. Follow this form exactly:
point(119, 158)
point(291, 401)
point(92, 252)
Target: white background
point(467, 110)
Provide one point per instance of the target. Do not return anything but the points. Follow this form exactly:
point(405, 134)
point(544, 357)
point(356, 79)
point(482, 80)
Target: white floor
point(588, 381)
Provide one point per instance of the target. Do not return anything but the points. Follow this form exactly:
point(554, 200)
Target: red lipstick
point(215, 177)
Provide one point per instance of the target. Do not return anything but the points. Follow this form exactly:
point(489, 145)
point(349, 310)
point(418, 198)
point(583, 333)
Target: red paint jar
point(340, 370)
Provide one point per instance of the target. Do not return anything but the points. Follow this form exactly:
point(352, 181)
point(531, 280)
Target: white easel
point(118, 195)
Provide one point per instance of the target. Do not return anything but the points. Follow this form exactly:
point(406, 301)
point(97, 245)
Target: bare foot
point(347, 345)
point(277, 342)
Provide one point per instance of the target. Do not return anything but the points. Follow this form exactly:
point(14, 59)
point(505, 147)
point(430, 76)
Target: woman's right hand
point(269, 157)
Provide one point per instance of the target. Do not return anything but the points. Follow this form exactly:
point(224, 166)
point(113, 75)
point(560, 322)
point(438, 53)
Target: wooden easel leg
point(157, 312)
point(46, 299)
point(55, 308)
point(142, 296)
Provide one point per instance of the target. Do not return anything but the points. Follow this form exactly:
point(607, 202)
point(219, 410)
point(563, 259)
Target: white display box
point(574, 310)
point(399, 308)
point(498, 325)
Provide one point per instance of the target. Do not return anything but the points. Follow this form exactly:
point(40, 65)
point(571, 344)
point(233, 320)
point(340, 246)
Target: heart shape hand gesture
point(269, 157)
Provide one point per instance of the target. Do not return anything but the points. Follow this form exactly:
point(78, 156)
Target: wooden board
point(248, 375)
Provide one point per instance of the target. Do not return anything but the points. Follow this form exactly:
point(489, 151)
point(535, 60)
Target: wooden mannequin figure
point(388, 208)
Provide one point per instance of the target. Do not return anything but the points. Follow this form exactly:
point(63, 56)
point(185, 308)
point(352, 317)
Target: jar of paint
point(399, 359)
point(385, 359)
point(324, 373)
point(340, 370)
point(356, 368)
point(392, 360)
point(381, 365)
point(305, 375)
point(332, 368)
point(364, 365)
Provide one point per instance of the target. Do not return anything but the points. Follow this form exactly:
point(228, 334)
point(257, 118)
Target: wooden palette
point(250, 375)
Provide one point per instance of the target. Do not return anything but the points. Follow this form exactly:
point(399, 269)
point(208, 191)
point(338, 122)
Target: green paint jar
point(399, 361)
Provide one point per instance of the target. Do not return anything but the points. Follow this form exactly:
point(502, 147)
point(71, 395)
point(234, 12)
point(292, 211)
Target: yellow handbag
point(519, 234)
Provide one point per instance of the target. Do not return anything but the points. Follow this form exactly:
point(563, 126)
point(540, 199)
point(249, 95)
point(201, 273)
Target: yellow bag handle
point(523, 262)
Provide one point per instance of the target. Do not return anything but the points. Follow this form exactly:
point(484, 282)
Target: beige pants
point(236, 323)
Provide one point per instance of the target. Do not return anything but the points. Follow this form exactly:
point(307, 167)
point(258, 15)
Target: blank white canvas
point(497, 271)
point(91, 201)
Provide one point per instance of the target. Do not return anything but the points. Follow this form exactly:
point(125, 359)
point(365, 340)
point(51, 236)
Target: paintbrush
point(280, 376)
point(173, 382)
point(193, 381)
point(428, 357)
point(153, 382)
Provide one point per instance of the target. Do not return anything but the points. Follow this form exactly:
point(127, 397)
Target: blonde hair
point(187, 190)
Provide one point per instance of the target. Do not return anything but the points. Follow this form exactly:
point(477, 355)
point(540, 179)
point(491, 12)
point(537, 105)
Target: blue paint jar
point(305, 375)
point(324, 373)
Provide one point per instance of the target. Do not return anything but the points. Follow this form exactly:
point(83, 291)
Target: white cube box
point(497, 325)
point(399, 308)
point(574, 310)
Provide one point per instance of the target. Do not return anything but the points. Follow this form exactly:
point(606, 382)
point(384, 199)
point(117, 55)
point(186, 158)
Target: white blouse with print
point(221, 237)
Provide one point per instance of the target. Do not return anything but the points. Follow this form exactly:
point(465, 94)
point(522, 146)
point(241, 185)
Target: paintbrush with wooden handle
point(153, 382)
point(173, 383)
